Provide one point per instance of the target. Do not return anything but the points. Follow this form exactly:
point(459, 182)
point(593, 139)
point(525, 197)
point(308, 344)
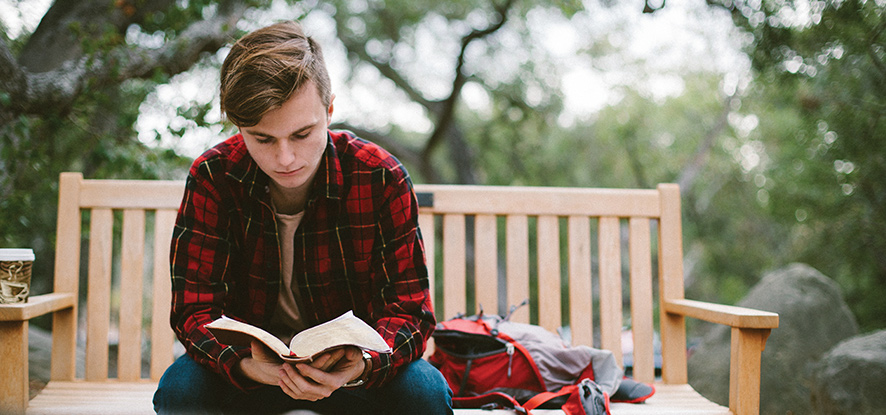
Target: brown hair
point(266, 67)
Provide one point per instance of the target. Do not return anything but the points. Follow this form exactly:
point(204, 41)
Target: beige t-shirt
point(287, 320)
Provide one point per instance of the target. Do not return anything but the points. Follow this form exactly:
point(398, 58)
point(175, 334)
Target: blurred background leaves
point(770, 114)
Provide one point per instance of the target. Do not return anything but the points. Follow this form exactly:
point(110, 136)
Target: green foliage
point(821, 100)
point(794, 175)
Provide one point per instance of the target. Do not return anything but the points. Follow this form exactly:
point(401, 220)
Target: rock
point(851, 378)
point(812, 319)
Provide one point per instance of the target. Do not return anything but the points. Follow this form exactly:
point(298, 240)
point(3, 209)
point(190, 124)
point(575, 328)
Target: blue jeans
point(189, 388)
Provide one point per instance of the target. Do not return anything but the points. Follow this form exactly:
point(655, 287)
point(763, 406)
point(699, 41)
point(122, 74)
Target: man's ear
point(329, 110)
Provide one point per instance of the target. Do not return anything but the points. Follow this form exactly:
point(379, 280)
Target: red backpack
point(490, 362)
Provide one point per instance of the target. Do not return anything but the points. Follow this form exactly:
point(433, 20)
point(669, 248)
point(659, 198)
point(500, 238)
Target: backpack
point(490, 362)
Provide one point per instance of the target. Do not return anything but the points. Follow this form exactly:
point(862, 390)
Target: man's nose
point(285, 152)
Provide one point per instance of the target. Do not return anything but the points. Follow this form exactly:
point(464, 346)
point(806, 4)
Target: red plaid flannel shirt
point(358, 248)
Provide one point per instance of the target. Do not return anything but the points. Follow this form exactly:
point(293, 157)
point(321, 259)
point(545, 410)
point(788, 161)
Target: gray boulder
point(812, 319)
point(851, 378)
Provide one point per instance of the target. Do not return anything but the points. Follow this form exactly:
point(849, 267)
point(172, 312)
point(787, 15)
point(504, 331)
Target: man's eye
point(265, 140)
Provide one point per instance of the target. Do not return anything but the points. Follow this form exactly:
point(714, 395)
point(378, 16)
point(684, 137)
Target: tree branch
point(359, 48)
point(56, 90)
point(443, 127)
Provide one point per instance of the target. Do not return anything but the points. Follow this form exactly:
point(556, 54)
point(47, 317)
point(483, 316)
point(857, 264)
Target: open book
point(345, 330)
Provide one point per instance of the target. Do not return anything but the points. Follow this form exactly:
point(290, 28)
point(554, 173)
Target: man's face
point(288, 142)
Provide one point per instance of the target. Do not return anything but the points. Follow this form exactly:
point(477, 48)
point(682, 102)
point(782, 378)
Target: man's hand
point(262, 367)
point(323, 376)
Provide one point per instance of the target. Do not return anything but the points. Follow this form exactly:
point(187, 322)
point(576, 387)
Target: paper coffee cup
point(15, 275)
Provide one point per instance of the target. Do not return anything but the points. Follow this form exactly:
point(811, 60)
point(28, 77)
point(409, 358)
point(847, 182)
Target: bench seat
point(134, 398)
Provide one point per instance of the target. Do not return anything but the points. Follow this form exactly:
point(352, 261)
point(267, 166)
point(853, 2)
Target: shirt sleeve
point(402, 305)
point(201, 248)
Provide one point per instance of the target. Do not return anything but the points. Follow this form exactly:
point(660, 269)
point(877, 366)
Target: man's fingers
point(328, 360)
point(315, 375)
point(302, 386)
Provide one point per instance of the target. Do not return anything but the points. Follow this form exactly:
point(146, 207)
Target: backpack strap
point(464, 380)
point(541, 398)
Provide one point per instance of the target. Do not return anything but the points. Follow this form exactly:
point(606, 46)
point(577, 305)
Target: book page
point(229, 331)
point(346, 330)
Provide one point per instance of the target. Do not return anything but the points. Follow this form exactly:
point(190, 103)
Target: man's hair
point(266, 67)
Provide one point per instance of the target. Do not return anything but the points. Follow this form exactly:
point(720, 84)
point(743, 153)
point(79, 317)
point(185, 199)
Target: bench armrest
point(750, 330)
point(738, 317)
point(14, 344)
point(36, 306)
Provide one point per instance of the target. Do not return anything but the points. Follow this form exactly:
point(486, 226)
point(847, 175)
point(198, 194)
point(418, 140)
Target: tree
point(821, 99)
point(70, 93)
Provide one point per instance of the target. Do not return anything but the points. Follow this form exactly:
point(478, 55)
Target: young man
point(287, 225)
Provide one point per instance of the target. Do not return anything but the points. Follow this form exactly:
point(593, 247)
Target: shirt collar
point(329, 180)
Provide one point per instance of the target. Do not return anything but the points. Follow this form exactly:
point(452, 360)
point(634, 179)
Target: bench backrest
point(579, 233)
point(116, 292)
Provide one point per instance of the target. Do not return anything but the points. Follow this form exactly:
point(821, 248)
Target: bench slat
point(139, 194)
point(610, 282)
point(454, 266)
point(517, 252)
point(98, 305)
point(131, 282)
point(641, 299)
point(581, 314)
point(161, 336)
point(549, 273)
point(427, 227)
point(507, 200)
point(486, 263)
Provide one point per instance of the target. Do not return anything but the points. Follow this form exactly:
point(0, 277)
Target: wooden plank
point(549, 273)
point(517, 260)
point(14, 370)
point(723, 314)
point(641, 299)
point(67, 276)
point(610, 286)
point(162, 337)
point(454, 271)
point(88, 398)
point(131, 288)
point(516, 200)
point(744, 370)
point(429, 238)
point(98, 306)
point(670, 285)
point(36, 306)
point(486, 263)
point(122, 194)
point(581, 315)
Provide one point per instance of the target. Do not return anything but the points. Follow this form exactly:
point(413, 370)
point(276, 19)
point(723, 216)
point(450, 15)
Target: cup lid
point(16, 254)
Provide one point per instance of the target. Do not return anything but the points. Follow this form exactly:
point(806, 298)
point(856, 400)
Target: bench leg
point(744, 370)
point(13, 367)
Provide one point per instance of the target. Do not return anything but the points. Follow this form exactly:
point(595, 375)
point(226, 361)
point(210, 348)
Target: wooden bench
point(583, 256)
